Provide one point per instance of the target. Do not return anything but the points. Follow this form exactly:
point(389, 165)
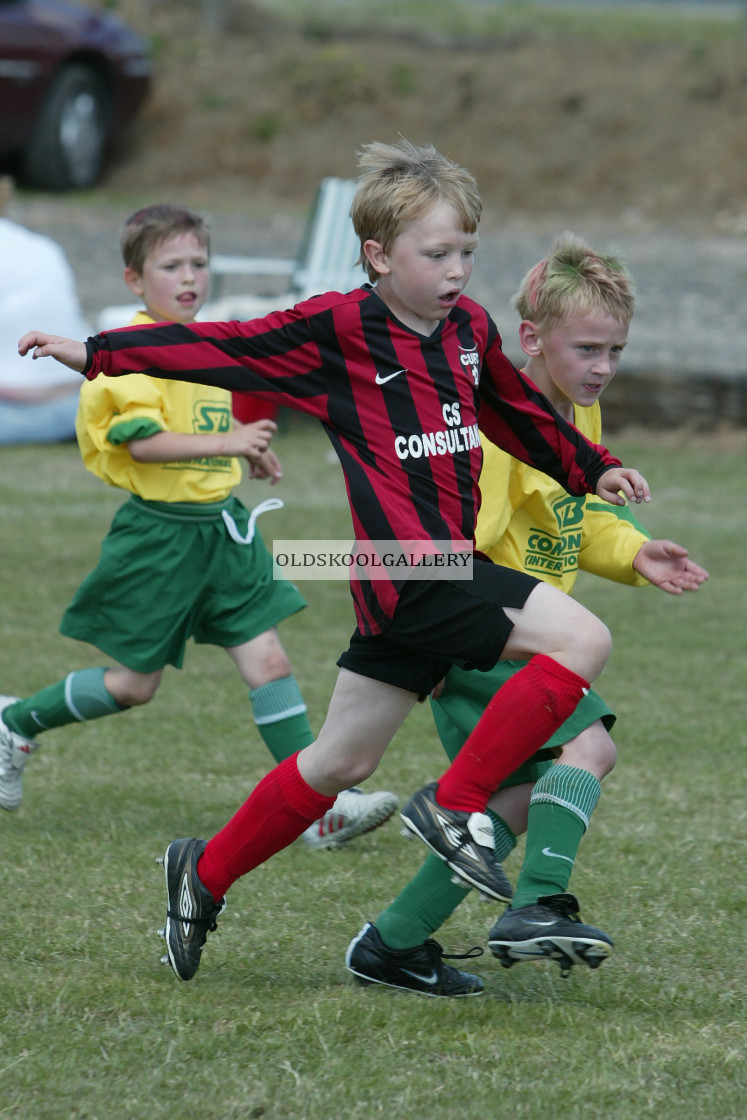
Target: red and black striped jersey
point(401, 409)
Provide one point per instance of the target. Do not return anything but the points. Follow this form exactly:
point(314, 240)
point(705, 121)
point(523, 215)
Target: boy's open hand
point(250, 440)
point(266, 465)
point(666, 565)
point(619, 483)
point(65, 350)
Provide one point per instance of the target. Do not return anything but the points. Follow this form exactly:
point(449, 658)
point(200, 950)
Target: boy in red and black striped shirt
point(397, 372)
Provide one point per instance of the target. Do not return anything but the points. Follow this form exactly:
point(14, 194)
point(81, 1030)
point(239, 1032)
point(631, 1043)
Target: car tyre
point(69, 141)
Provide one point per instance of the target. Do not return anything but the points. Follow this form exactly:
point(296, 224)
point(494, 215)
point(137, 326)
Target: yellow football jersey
point(115, 410)
point(529, 522)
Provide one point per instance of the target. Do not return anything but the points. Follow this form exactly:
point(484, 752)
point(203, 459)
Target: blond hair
point(146, 229)
point(398, 183)
point(574, 279)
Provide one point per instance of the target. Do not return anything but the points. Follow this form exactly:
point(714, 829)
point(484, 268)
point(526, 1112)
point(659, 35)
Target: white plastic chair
point(326, 261)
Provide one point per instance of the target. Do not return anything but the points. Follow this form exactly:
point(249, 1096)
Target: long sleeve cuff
point(90, 351)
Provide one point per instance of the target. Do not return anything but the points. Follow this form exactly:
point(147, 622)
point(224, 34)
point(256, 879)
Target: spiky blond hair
point(574, 278)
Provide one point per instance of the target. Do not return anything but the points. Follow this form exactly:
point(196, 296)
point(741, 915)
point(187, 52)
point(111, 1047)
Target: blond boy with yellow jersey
point(576, 307)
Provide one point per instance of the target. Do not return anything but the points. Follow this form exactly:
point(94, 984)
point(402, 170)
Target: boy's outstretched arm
point(65, 350)
point(666, 565)
point(249, 441)
point(616, 484)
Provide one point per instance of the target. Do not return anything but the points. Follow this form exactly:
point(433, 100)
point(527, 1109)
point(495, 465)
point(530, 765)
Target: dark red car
point(71, 78)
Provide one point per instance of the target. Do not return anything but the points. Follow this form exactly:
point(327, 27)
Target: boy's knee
point(593, 750)
point(604, 642)
point(138, 697)
point(603, 756)
point(347, 772)
point(134, 693)
point(276, 666)
point(608, 757)
point(269, 661)
point(595, 644)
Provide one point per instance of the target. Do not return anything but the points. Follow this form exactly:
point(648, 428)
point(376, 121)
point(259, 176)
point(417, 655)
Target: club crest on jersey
point(211, 417)
point(470, 359)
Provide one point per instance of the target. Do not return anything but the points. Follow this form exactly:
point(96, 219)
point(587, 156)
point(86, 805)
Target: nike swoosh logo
point(383, 380)
point(432, 979)
point(556, 855)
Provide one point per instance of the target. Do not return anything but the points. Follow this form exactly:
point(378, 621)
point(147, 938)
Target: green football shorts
point(466, 695)
point(170, 571)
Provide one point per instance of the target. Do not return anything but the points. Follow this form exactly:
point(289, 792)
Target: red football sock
point(275, 814)
point(520, 718)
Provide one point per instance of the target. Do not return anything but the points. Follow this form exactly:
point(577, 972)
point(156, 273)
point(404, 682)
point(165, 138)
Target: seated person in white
point(37, 404)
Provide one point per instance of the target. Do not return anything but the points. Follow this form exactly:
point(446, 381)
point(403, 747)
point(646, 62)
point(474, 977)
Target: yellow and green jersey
point(113, 411)
point(529, 522)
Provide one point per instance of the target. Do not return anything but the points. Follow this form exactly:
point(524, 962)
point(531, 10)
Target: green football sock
point(430, 898)
point(504, 839)
point(562, 802)
point(421, 907)
point(79, 697)
point(280, 716)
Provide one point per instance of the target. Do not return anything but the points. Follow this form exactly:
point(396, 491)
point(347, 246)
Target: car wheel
point(68, 143)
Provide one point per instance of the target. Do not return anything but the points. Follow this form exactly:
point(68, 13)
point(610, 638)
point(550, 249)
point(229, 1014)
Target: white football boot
point(353, 814)
point(14, 754)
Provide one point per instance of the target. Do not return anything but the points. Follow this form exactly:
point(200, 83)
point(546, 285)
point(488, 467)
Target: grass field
point(662, 20)
point(93, 1028)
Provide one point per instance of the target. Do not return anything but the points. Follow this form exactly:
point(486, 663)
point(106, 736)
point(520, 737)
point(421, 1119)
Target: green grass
point(93, 1028)
point(475, 19)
